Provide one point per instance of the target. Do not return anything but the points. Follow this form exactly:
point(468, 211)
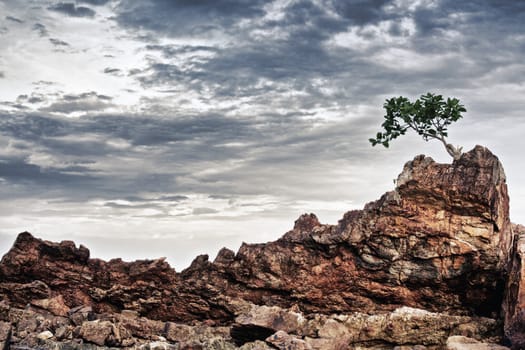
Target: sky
point(149, 128)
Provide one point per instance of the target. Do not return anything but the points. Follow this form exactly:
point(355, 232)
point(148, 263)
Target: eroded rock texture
point(438, 242)
point(514, 302)
point(441, 242)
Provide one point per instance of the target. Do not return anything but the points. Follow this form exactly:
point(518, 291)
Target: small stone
point(62, 332)
point(285, 341)
point(45, 335)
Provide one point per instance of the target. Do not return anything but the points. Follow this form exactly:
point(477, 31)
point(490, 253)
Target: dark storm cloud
point(291, 61)
point(20, 171)
point(14, 19)
point(490, 17)
point(177, 149)
point(41, 29)
point(361, 11)
point(70, 9)
point(446, 51)
point(186, 17)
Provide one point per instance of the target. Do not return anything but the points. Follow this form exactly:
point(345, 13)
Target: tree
point(429, 116)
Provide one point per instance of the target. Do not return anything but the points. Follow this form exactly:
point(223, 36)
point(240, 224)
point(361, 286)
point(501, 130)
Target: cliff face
point(444, 228)
point(514, 301)
point(441, 241)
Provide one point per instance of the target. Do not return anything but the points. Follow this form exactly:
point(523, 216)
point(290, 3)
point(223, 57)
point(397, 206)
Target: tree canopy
point(429, 116)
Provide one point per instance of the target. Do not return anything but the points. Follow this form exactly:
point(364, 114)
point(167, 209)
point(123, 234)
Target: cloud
point(20, 171)
point(58, 42)
point(84, 102)
point(34, 98)
point(361, 12)
point(204, 211)
point(182, 17)
point(2, 75)
point(14, 19)
point(72, 10)
point(41, 29)
point(112, 71)
point(94, 2)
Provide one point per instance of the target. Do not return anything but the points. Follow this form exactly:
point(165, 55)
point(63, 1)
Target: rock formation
point(514, 302)
point(425, 262)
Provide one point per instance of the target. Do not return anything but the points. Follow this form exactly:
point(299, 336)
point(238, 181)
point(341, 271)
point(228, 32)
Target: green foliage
point(429, 116)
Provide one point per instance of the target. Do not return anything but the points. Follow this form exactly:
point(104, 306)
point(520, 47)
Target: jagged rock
point(441, 241)
point(446, 226)
point(514, 302)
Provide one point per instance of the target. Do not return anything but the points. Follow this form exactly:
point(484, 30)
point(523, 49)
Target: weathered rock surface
point(514, 302)
point(256, 327)
point(442, 241)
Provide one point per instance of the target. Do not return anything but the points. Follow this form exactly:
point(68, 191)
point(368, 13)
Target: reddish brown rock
point(54, 305)
point(440, 242)
point(445, 227)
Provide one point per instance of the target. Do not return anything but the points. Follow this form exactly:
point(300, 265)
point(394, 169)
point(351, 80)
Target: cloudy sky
point(146, 128)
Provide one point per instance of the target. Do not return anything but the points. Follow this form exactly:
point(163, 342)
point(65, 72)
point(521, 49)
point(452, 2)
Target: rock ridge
point(441, 242)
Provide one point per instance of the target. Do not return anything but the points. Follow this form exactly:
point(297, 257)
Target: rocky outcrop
point(445, 227)
point(433, 254)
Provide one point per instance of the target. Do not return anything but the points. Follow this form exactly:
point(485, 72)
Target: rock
point(4, 310)
point(45, 335)
point(463, 343)
point(158, 345)
point(81, 313)
point(427, 260)
point(283, 341)
point(5, 335)
point(273, 318)
point(445, 226)
point(63, 332)
point(256, 345)
point(96, 332)
point(514, 302)
point(54, 305)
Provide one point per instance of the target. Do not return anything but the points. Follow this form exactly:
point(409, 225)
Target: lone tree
point(429, 116)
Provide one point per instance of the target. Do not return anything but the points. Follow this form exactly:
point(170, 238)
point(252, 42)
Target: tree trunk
point(455, 152)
